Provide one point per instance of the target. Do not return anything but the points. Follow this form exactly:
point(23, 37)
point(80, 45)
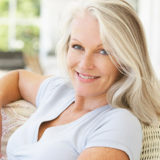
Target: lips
point(86, 76)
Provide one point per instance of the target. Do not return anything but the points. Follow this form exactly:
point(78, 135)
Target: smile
point(86, 78)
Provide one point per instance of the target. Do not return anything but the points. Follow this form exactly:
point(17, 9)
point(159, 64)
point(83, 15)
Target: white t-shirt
point(105, 126)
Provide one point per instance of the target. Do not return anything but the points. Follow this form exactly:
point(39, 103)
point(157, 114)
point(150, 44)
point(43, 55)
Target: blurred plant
point(4, 37)
point(27, 36)
point(28, 8)
point(30, 37)
point(4, 8)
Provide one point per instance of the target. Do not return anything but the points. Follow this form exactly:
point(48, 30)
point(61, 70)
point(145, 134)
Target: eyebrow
point(81, 42)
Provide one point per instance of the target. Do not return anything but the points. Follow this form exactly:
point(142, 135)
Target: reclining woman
point(95, 112)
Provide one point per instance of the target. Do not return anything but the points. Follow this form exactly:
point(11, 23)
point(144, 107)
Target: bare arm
point(16, 85)
point(19, 84)
point(102, 153)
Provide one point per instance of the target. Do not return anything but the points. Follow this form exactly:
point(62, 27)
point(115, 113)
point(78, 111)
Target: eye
point(104, 52)
point(76, 46)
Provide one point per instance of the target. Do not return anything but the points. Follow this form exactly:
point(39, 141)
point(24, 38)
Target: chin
point(85, 92)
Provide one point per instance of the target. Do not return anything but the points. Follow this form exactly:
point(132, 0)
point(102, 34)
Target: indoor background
point(29, 32)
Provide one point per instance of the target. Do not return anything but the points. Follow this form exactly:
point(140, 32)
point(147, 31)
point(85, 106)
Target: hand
point(1, 157)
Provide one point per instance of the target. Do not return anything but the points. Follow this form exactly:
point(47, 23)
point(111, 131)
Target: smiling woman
point(122, 36)
point(87, 61)
point(95, 113)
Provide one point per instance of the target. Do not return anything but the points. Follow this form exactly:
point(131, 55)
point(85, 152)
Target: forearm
point(9, 88)
point(9, 91)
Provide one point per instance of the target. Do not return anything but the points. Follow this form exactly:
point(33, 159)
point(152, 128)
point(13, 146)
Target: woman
point(94, 114)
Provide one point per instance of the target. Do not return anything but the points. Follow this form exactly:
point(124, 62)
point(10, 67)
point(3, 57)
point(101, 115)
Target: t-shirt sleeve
point(46, 86)
point(121, 130)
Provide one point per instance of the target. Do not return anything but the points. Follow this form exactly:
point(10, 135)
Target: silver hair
point(138, 89)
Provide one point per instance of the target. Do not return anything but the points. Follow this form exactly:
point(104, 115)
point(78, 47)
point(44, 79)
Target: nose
point(86, 61)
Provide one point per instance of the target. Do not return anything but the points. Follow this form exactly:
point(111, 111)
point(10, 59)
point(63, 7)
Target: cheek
point(109, 70)
point(72, 60)
point(114, 75)
point(69, 59)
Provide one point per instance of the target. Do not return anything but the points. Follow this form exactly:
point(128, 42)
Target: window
point(19, 25)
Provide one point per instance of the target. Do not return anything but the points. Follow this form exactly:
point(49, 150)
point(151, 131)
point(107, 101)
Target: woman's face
point(90, 68)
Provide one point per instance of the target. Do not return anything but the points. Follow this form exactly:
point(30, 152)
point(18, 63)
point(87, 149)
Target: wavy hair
point(138, 89)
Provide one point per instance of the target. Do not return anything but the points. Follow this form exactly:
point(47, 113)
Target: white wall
point(149, 12)
point(50, 13)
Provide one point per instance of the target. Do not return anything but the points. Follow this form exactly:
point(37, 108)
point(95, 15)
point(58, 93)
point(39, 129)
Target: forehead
point(85, 28)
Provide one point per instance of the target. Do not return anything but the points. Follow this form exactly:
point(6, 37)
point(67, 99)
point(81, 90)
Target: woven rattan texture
point(151, 143)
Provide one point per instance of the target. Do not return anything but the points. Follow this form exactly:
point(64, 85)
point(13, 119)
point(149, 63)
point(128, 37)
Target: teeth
point(86, 77)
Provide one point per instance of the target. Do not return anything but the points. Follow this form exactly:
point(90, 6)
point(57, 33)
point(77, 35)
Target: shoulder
point(124, 118)
point(119, 118)
point(54, 84)
point(118, 129)
point(52, 81)
point(123, 125)
point(51, 87)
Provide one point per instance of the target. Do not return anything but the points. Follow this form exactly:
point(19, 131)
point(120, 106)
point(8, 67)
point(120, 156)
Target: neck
point(87, 104)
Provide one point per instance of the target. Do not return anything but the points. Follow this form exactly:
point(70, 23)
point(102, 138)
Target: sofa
point(16, 113)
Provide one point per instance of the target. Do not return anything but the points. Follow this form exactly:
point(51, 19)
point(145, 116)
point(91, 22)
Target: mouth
point(86, 77)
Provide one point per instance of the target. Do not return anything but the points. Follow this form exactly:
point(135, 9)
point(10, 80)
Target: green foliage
point(3, 37)
point(4, 8)
point(30, 37)
point(28, 8)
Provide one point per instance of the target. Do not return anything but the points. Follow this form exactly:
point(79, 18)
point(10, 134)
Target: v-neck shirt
point(102, 127)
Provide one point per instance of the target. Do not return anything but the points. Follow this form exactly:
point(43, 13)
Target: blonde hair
point(138, 89)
